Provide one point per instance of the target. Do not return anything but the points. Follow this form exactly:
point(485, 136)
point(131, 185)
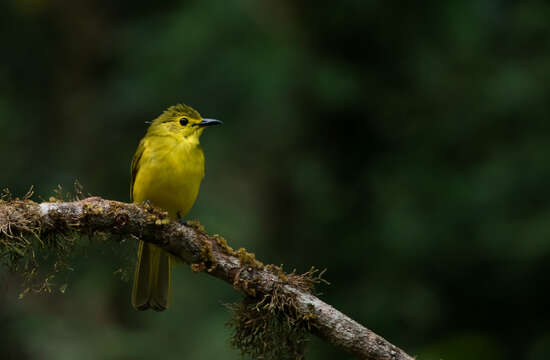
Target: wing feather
point(134, 167)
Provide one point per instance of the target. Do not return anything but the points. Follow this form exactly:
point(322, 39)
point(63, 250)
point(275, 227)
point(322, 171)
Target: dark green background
point(403, 147)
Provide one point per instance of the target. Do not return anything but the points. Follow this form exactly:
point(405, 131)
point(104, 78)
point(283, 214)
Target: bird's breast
point(169, 177)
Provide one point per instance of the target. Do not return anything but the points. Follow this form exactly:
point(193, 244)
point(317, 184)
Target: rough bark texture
point(206, 253)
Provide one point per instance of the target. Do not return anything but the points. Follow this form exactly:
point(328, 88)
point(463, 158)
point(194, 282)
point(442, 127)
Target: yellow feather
point(166, 170)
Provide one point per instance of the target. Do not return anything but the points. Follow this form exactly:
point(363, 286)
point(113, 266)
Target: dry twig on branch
point(269, 291)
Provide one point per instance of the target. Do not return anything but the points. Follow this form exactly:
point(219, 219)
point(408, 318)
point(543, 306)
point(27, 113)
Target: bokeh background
point(404, 147)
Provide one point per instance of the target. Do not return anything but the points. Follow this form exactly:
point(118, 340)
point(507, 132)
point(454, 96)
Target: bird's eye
point(183, 121)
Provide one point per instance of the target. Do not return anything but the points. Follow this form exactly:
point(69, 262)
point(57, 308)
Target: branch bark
point(208, 253)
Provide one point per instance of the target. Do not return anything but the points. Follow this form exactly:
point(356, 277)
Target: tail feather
point(152, 279)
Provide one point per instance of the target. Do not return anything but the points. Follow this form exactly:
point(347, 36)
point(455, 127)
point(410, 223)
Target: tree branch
point(210, 254)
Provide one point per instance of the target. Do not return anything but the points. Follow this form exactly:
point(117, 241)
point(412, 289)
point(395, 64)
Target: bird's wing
point(134, 167)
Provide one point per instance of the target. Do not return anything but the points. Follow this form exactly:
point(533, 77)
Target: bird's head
point(181, 121)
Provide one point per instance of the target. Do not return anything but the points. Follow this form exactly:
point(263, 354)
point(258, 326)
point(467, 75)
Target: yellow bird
point(167, 170)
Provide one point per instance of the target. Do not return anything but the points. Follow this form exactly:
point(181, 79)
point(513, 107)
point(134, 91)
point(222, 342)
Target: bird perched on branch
point(167, 170)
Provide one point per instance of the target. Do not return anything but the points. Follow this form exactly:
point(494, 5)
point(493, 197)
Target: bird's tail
point(152, 279)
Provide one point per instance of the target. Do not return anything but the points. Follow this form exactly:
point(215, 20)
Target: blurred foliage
point(402, 146)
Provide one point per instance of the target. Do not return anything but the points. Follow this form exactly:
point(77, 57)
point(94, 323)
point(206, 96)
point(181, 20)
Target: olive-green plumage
point(166, 170)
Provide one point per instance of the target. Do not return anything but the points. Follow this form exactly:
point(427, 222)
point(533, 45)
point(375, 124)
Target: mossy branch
point(268, 289)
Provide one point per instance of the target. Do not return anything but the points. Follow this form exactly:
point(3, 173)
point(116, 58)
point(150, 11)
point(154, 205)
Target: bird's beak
point(209, 122)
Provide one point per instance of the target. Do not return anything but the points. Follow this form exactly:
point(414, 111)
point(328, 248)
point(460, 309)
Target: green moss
point(278, 270)
point(208, 257)
point(223, 244)
point(208, 261)
point(162, 221)
point(195, 224)
point(206, 253)
point(248, 259)
point(198, 267)
point(271, 327)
